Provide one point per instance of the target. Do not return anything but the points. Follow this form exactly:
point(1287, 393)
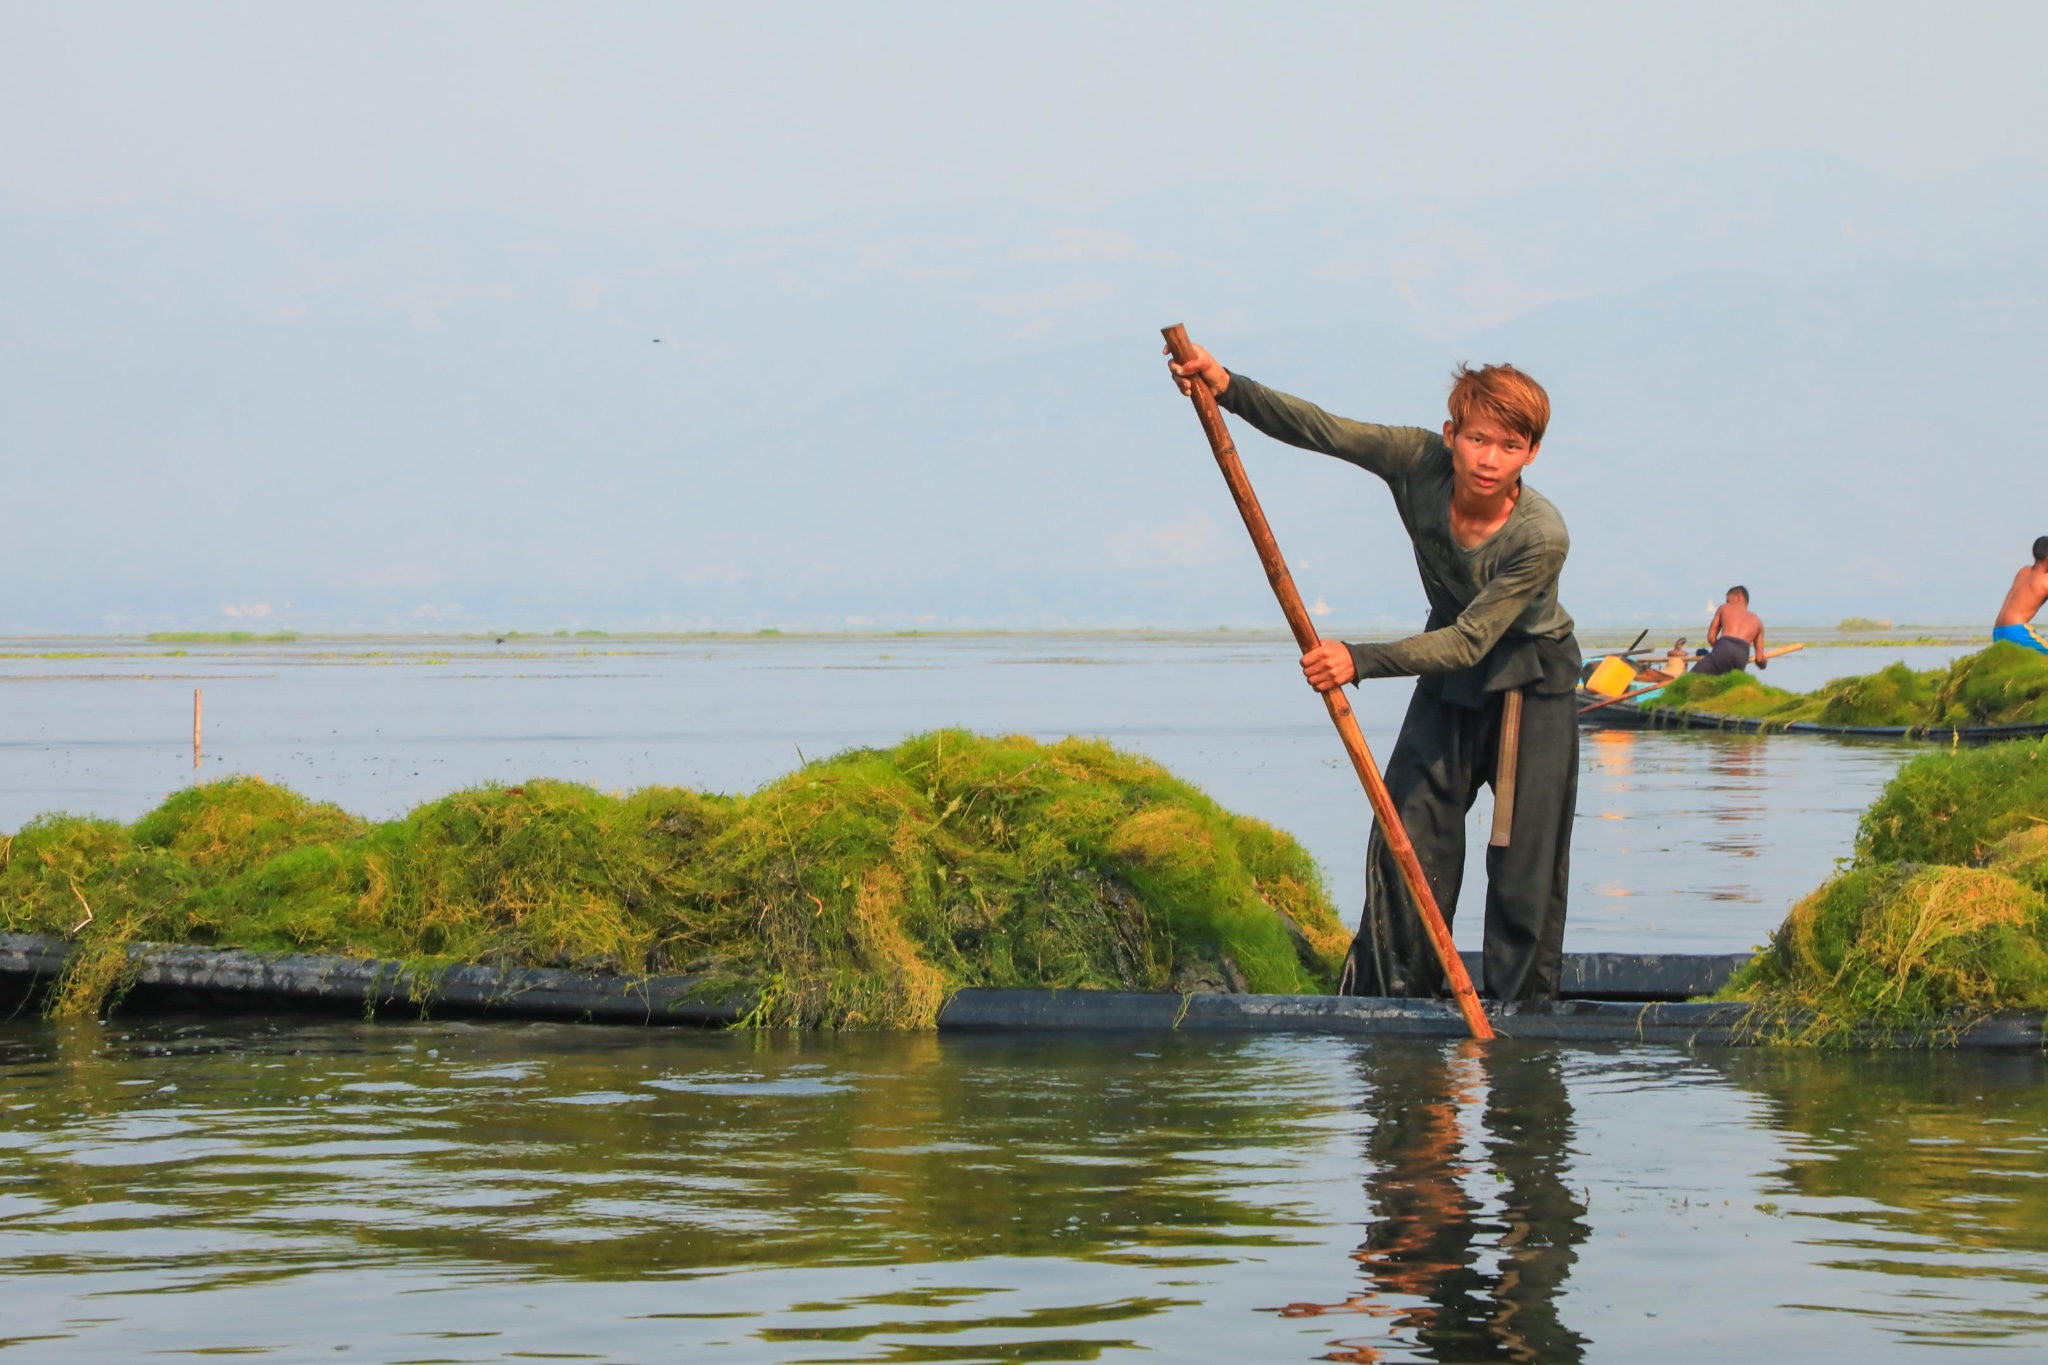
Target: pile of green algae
point(1939, 919)
point(859, 891)
point(2002, 685)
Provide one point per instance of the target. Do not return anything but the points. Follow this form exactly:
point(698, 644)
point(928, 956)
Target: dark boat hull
point(1628, 715)
point(166, 977)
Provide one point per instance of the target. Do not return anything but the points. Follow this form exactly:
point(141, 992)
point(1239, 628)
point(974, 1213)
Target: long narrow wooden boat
point(169, 974)
point(1630, 678)
point(1609, 997)
point(1647, 715)
point(1636, 709)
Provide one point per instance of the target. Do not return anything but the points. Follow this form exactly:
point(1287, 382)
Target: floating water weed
point(1942, 918)
point(859, 891)
point(1951, 807)
point(1902, 949)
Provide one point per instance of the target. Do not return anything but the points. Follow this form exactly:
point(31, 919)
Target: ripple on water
point(490, 1191)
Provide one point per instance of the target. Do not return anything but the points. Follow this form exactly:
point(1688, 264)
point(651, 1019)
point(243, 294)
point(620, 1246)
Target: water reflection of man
point(1487, 1275)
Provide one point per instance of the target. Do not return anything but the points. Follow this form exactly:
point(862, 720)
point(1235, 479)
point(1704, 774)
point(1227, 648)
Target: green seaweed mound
point(2002, 685)
point(858, 891)
point(1954, 807)
point(1941, 917)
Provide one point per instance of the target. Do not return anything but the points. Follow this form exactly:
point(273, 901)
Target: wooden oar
point(1626, 696)
point(1340, 709)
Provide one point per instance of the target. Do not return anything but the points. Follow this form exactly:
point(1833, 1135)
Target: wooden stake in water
point(1305, 636)
point(195, 727)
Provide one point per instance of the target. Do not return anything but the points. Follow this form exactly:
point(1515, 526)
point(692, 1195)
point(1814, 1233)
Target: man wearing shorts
point(2029, 590)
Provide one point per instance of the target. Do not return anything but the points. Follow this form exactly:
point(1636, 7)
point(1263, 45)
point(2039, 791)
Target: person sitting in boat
point(1489, 549)
point(2029, 590)
point(1733, 634)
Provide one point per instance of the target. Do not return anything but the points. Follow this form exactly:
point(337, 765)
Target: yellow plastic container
point(1614, 676)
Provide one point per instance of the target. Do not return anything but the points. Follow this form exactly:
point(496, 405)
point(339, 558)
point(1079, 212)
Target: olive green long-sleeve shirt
point(1503, 589)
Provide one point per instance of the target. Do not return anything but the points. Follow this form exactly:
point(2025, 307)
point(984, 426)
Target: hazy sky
point(676, 115)
point(346, 315)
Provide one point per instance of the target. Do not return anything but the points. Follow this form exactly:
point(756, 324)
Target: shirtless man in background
point(1733, 633)
point(2029, 591)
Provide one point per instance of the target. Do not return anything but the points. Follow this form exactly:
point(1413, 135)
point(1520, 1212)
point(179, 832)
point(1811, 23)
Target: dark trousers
point(1444, 755)
point(1729, 655)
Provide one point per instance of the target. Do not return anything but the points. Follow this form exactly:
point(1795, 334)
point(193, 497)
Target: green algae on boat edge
point(2001, 685)
point(859, 891)
point(1940, 919)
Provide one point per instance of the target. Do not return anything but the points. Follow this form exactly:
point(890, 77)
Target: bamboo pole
point(195, 727)
point(1334, 700)
point(1626, 696)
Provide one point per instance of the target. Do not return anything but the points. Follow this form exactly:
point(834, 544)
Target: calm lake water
point(482, 1192)
point(410, 1191)
point(1685, 843)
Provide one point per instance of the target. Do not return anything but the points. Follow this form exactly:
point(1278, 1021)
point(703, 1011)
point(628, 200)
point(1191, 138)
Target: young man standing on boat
point(2023, 602)
point(1734, 632)
point(1489, 549)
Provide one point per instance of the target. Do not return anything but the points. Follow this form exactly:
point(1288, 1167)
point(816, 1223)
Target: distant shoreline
point(1592, 638)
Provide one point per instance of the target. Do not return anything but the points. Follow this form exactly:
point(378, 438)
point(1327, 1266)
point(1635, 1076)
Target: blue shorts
point(2026, 637)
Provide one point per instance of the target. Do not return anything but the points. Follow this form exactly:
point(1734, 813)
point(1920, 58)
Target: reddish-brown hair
point(1503, 393)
